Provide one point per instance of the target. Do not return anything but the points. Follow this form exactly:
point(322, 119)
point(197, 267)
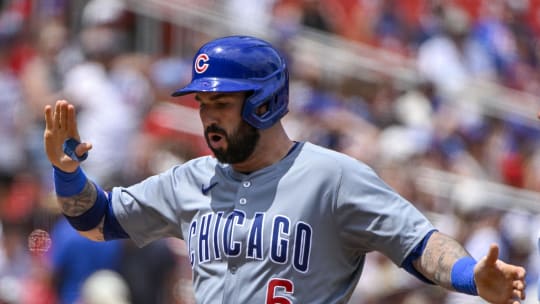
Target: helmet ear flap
point(267, 108)
point(262, 111)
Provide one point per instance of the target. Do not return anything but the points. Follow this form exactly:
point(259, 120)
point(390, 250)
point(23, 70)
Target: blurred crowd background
point(439, 97)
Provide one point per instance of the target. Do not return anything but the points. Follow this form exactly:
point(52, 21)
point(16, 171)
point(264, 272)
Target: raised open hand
point(497, 281)
point(61, 125)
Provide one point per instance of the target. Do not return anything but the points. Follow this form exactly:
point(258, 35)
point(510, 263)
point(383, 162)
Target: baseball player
point(266, 219)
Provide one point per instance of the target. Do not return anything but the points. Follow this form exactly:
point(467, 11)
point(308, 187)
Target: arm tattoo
point(438, 258)
point(78, 204)
point(100, 236)
point(95, 234)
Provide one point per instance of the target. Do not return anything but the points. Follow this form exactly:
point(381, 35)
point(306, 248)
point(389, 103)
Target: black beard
point(240, 144)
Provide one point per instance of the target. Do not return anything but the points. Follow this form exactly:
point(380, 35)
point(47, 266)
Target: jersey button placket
point(245, 184)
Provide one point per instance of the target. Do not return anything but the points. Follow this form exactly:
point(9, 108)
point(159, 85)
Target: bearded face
point(240, 143)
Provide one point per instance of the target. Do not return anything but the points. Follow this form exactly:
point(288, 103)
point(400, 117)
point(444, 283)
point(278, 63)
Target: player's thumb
point(83, 148)
point(493, 254)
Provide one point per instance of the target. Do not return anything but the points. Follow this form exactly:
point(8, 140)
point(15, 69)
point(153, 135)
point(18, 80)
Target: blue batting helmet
point(243, 63)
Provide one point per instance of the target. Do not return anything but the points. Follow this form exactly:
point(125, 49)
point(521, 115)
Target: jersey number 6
point(273, 284)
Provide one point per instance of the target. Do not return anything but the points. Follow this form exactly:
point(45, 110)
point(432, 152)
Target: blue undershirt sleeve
point(415, 254)
point(112, 229)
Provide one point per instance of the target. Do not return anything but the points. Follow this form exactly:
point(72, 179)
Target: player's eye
point(221, 104)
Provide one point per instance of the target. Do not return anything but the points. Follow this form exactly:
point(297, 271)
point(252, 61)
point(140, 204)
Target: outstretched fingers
point(61, 124)
point(499, 282)
point(48, 118)
point(73, 131)
point(519, 294)
point(493, 254)
point(64, 123)
point(59, 117)
point(518, 285)
point(56, 115)
point(72, 123)
point(62, 119)
point(520, 273)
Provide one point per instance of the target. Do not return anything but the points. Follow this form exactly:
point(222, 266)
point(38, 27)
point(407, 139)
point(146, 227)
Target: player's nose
point(208, 116)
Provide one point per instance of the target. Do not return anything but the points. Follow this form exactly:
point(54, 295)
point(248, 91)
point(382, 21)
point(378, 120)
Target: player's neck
point(273, 145)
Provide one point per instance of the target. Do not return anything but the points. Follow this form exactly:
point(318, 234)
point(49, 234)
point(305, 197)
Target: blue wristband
point(69, 184)
point(69, 147)
point(463, 276)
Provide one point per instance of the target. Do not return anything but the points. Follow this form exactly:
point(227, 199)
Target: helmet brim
point(216, 85)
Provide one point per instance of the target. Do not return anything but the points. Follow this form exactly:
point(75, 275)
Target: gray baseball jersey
point(294, 232)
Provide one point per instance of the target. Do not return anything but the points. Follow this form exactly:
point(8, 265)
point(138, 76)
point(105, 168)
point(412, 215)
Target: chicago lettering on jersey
point(217, 236)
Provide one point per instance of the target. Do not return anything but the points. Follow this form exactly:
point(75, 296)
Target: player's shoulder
point(201, 162)
point(198, 164)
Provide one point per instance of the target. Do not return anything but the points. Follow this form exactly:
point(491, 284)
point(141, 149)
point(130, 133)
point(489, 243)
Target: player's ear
point(262, 109)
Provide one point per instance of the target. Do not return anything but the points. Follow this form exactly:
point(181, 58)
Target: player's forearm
point(438, 258)
point(78, 204)
point(81, 202)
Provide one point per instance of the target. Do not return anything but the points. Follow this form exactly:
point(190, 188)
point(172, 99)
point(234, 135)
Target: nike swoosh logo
point(207, 189)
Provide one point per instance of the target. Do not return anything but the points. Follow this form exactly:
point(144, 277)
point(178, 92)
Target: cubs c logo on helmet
point(200, 63)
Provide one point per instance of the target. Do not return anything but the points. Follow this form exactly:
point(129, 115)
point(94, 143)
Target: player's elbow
point(94, 234)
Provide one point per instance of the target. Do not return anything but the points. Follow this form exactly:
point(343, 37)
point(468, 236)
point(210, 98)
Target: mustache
point(215, 129)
